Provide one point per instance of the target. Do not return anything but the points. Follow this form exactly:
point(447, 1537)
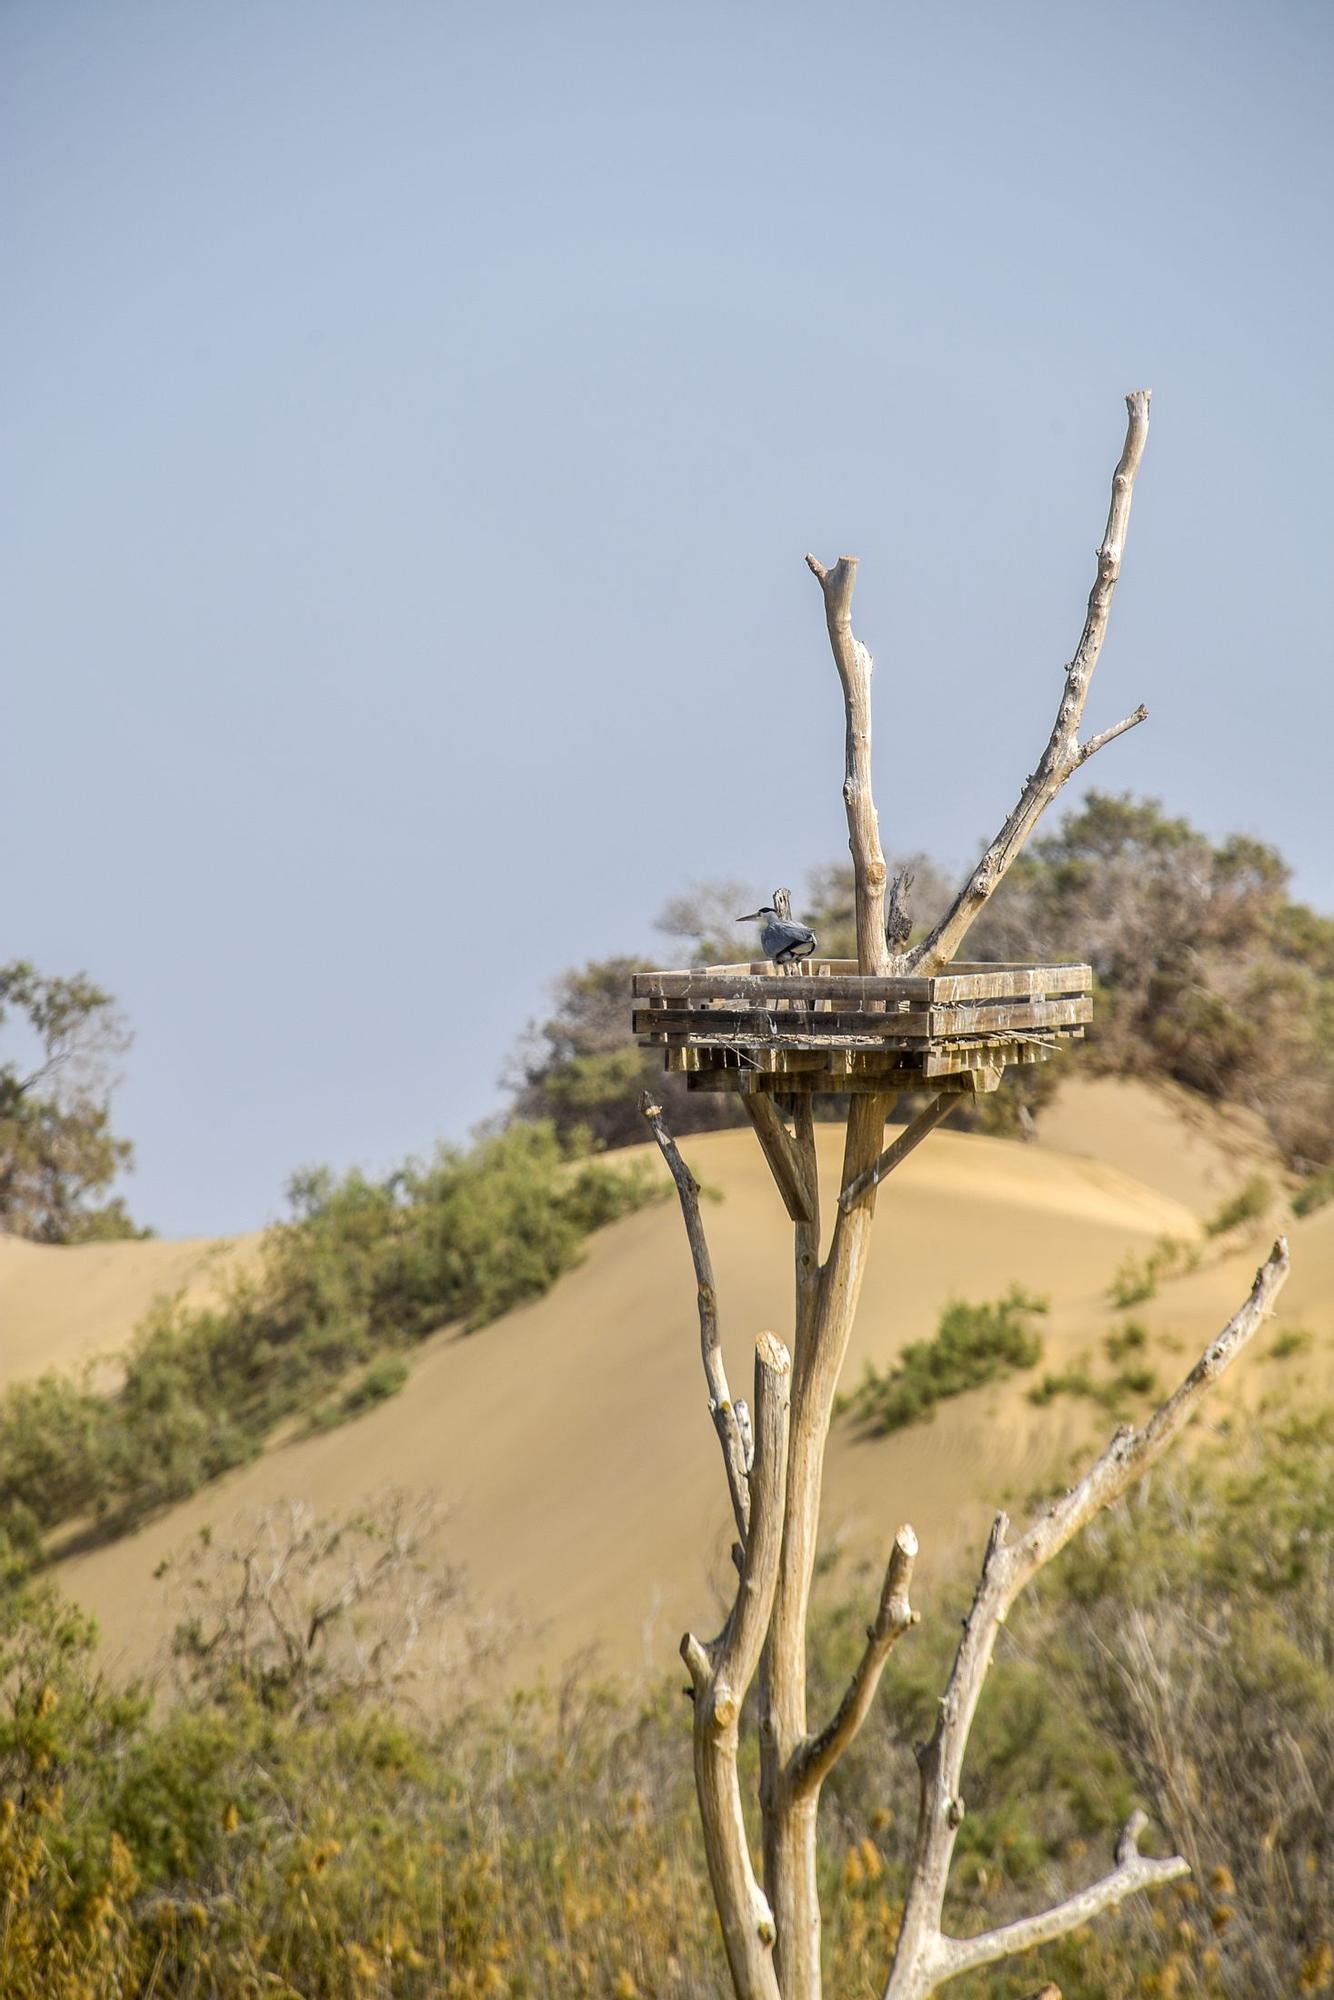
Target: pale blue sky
point(415, 418)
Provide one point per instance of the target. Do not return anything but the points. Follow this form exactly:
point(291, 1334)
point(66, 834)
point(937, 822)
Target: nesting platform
point(827, 1028)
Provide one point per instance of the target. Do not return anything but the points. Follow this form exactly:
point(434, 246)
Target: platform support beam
point(907, 1142)
point(785, 1162)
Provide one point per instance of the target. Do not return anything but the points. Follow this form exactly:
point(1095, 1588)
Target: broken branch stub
point(721, 1407)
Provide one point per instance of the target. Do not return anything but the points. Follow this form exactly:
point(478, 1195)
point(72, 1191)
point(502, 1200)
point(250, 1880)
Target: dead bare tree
point(310, 1611)
point(774, 1467)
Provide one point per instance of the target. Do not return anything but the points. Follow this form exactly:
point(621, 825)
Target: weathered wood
point(721, 1407)
point(1064, 752)
point(785, 1162)
point(720, 1675)
point(894, 1616)
point(788, 1810)
point(868, 862)
point(842, 982)
point(979, 1075)
point(894, 1155)
point(911, 1025)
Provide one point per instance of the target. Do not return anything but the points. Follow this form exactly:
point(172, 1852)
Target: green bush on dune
point(364, 1269)
point(973, 1344)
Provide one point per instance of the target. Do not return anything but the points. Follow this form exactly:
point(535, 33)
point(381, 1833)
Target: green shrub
point(1295, 1341)
point(243, 1839)
point(1248, 1204)
point(973, 1344)
point(1314, 1193)
point(1110, 1392)
point(383, 1379)
point(1136, 1280)
point(363, 1270)
point(1127, 1339)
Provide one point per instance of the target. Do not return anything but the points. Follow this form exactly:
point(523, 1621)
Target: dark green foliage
point(383, 1379)
point(1111, 1392)
point(57, 1149)
point(1131, 1338)
point(582, 1071)
point(972, 1345)
point(1295, 1341)
point(364, 1270)
point(1248, 1204)
point(1314, 1193)
point(1206, 972)
point(1137, 1280)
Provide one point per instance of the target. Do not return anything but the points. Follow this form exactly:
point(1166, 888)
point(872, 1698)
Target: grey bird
point(781, 938)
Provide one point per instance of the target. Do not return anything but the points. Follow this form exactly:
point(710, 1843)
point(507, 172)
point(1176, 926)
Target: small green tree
point(57, 1149)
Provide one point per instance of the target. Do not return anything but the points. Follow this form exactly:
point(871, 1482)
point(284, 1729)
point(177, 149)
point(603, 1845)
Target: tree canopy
point(57, 1149)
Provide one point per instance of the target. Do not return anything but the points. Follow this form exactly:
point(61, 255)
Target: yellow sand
point(1198, 1152)
point(60, 1308)
point(571, 1439)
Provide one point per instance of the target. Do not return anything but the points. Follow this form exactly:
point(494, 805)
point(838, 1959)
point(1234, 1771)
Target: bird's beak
point(752, 918)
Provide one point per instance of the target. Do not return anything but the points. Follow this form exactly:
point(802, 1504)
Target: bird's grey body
point(782, 939)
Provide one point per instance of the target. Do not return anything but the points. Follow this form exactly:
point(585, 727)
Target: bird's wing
point(787, 940)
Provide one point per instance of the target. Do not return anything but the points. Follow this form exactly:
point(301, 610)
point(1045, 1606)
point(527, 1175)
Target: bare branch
point(1095, 743)
point(715, 1372)
point(908, 1140)
point(1133, 1871)
point(1064, 753)
point(854, 670)
point(721, 1674)
point(894, 1617)
point(1006, 1569)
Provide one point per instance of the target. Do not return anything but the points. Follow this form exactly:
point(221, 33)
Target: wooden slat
point(748, 985)
point(1002, 982)
point(894, 1154)
point(766, 1028)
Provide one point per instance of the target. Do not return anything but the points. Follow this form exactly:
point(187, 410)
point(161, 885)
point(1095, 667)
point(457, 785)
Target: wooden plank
point(894, 1154)
point(785, 1163)
point(771, 985)
point(1020, 1015)
point(999, 983)
point(747, 985)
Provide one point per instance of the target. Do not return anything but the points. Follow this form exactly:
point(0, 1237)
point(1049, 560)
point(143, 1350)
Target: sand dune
point(60, 1308)
point(1199, 1153)
point(571, 1439)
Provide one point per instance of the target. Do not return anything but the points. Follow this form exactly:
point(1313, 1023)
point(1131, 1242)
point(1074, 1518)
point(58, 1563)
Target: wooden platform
point(826, 1028)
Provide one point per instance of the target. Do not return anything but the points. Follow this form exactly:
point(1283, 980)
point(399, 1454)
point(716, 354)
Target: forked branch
point(1133, 1871)
point(1064, 752)
point(895, 1616)
point(720, 1675)
point(924, 1959)
point(721, 1407)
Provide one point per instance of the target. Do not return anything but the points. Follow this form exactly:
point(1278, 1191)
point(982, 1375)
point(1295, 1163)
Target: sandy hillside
point(1162, 1135)
point(60, 1308)
point(571, 1439)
